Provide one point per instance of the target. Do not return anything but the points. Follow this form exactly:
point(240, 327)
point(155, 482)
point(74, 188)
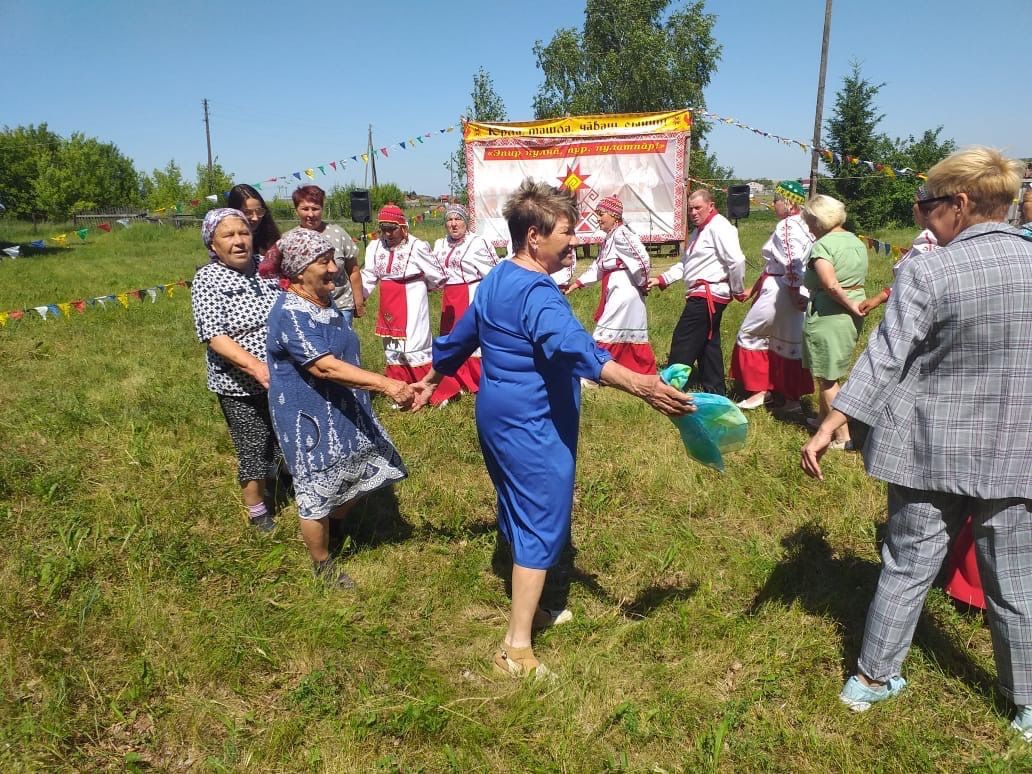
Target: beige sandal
point(518, 662)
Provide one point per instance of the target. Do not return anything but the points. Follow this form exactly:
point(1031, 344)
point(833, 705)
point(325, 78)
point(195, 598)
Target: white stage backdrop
point(638, 157)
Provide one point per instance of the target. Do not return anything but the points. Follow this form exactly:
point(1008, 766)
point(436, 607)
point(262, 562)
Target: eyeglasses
point(927, 205)
point(255, 213)
point(388, 229)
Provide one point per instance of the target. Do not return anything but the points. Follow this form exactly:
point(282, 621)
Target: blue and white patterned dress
point(332, 442)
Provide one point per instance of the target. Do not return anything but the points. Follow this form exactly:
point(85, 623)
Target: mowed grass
point(143, 624)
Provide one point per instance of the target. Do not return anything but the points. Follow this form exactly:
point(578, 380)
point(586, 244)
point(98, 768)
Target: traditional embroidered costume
point(621, 321)
point(713, 270)
point(768, 350)
point(466, 262)
point(405, 273)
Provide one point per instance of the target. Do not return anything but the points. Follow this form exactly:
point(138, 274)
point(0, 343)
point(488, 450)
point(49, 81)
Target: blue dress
point(528, 409)
point(333, 444)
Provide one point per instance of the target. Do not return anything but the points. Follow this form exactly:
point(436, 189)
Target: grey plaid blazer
point(946, 380)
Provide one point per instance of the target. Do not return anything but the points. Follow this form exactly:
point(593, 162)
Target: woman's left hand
point(664, 398)
point(401, 393)
point(423, 390)
point(812, 452)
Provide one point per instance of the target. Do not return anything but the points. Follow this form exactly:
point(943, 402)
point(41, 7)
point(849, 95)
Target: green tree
point(24, 150)
point(633, 56)
point(852, 131)
point(918, 155)
point(168, 188)
point(486, 106)
point(380, 195)
point(85, 174)
point(218, 181)
point(872, 198)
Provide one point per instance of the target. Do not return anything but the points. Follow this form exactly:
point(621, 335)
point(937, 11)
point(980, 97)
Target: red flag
point(79, 305)
point(17, 314)
point(104, 227)
point(383, 151)
point(194, 202)
point(334, 165)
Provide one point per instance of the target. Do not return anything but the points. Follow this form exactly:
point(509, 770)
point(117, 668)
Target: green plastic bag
point(716, 427)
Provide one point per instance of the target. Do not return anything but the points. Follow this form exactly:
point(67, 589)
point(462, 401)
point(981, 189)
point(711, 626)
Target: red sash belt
point(602, 296)
point(711, 302)
point(393, 318)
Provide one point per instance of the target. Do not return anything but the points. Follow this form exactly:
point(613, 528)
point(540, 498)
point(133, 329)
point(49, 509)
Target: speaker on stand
point(360, 209)
point(738, 202)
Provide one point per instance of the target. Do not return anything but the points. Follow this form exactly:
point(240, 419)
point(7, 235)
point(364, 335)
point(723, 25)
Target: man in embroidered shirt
point(713, 270)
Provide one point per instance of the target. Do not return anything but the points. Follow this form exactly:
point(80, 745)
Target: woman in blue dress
point(332, 442)
point(535, 353)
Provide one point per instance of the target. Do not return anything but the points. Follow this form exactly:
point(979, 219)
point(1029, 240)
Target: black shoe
point(328, 572)
point(263, 523)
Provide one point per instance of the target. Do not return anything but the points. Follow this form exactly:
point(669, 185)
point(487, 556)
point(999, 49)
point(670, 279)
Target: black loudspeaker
point(360, 206)
point(738, 201)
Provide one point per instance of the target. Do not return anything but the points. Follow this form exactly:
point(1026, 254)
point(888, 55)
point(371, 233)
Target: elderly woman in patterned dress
point(231, 307)
point(332, 442)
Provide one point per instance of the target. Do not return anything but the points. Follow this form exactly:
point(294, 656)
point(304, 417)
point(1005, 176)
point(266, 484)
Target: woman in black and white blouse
point(231, 306)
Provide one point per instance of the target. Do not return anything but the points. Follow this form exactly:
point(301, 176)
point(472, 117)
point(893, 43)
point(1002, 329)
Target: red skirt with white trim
point(751, 368)
point(637, 357)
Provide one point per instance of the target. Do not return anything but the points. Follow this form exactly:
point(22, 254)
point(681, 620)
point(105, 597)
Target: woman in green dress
point(835, 275)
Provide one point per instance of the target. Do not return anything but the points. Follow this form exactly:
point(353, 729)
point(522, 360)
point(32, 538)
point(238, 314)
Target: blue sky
point(293, 85)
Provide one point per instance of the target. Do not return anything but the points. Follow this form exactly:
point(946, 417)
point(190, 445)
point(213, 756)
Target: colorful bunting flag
point(212, 197)
point(309, 173)
point(105, 227)
point(39, 244)
point(81, 233)
point(14, 252)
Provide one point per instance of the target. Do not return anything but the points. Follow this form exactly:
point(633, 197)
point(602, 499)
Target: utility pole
point(207, 136)
point(820, 99)
point(371, 157)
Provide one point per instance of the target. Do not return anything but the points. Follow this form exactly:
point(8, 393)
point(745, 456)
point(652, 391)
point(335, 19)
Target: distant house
point(756, 189)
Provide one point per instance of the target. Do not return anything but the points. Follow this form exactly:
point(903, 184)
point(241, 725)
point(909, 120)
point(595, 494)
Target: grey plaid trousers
point(920, 523)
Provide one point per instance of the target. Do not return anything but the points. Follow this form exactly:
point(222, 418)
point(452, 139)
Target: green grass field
point(144, 625)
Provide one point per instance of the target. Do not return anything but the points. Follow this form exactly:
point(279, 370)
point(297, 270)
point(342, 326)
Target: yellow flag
point(310, 173)
point(170, 289)
point(60, 238)
point(365, 157)
point(123, 299)
point(65, 308)
point(3, 319)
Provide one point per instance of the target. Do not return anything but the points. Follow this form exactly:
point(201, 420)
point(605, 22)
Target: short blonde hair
point(988, 178)
point(826, 211)
point(539, 205)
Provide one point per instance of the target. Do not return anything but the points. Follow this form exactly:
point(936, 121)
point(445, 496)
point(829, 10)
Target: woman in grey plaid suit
point(946, 387)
